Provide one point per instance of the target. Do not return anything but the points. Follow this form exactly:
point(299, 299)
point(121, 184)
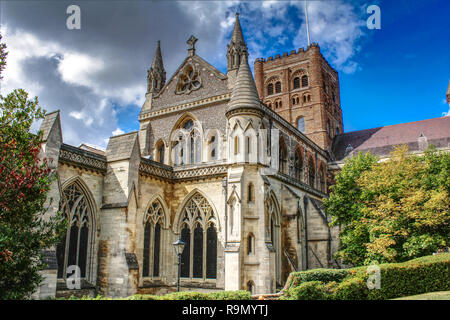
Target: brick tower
point(304, 89)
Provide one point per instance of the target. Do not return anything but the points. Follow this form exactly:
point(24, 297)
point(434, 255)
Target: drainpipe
point(305, 203)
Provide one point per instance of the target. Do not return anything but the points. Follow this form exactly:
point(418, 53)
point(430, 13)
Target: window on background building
point(301, 124)
point(304, 81)
point(270, 89)
point(296, 82)
point(278, 87)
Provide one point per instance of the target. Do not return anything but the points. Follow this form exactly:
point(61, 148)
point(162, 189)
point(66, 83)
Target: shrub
point(311, 290)
point(184, 295)
point(421, 275)
point(323, 275)
point(350, 289)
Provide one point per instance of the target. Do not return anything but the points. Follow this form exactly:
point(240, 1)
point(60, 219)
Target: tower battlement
point(303, 88)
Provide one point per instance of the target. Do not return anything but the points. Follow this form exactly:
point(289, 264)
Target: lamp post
point(179, 247)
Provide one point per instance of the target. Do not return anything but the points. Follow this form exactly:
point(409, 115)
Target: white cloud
point(78, 68)
point(117, 132)
point(337, 28)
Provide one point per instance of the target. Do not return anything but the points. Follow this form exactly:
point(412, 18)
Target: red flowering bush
point(24, 182)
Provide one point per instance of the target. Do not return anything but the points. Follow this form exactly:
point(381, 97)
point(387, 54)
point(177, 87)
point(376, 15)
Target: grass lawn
point(439, 295)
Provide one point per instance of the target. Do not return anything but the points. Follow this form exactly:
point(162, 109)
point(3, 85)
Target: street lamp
point(178, 247)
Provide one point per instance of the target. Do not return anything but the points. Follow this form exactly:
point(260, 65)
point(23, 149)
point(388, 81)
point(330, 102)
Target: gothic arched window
point(298, 164)
point(154, 219)
point(250, 286)
point(283, 157)
point(322, 178)
point(275, 234)
point(236, 145)
point(186, 143)
point(312, 172)
point(250, 244)
point(250, 193)
point(213, 148)
point(160, 150)
point(198, 232)
point(75, 246)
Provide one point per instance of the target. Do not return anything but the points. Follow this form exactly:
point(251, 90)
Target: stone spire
point(237, 47)
point(156, 77)
point(244, 93)
point(237, 36)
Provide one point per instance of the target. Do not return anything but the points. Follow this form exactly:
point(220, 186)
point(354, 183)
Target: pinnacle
point(157, 63)
point(237, 36)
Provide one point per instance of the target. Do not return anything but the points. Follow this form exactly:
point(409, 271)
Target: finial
point(191, 43)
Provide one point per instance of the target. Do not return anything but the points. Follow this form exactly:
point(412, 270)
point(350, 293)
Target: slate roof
point(381, 140)
point(47, 124)
point(120, 147)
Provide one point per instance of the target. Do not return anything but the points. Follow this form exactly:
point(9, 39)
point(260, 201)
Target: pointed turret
point(156, 74)
point(237, 47)
point(244, 95)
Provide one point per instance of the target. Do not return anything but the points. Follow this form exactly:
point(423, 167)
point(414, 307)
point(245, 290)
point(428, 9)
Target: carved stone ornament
point(188, 81)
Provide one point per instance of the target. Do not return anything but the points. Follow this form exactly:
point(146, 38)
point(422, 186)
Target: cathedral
point(235, 166)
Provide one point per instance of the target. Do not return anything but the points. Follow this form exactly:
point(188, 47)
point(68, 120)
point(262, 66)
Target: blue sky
point(96, 75)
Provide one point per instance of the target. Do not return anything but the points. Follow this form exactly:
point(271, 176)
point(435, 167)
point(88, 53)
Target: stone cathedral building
point(233, 165)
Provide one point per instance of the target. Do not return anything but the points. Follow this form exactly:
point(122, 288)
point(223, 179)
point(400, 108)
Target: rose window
point(189, 81)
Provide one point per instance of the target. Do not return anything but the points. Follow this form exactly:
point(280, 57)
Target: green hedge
point(184, 295)
point(192, 295)
point(323, 275)
point(421, 275)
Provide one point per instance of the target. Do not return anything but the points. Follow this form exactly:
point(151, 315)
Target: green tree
point(345, 206)
point(406, 205)
point(392, 211)
point(24, 182)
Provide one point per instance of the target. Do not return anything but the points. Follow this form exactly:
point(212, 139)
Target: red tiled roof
point(381, 140)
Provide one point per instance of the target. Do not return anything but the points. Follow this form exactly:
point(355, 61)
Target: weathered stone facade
point(211, 164)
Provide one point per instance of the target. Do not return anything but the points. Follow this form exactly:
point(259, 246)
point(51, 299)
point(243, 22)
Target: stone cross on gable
point(191, 43)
